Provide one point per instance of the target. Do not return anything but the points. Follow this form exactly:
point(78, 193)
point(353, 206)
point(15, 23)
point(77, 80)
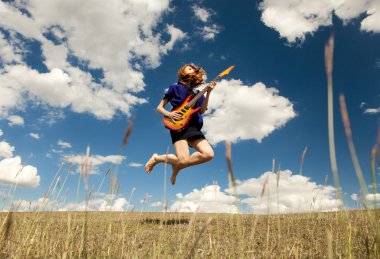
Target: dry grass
point(175, 235)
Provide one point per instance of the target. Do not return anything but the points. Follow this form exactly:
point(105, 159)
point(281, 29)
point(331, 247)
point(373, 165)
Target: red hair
point(194, 79)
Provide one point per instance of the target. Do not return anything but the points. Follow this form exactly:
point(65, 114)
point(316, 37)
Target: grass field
point(344, 234)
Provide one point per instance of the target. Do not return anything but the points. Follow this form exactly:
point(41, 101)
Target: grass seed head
point(128, 132)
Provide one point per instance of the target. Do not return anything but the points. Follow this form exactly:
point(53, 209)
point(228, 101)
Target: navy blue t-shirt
point(177, 93)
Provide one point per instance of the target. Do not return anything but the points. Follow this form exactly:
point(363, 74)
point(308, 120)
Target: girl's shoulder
point(175, 86)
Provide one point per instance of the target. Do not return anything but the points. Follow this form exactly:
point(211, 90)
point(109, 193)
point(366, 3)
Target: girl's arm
point(172, 115)
point(205, 103)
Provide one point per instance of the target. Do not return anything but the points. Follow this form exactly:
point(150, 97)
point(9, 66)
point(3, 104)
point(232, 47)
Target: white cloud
point(156, 204)
point(294, 19)
point(34, 135)
point(209, 32)
point(372, 110)
point(371, 200)
point(99, 202)
point(15, 120)
point(209, 199)
point(13, 172)
point(240, 112)
point(295, 193)
point(373, 197)
point(354, 197)
point(201, 13)
point(119, 40)
point(36, 205)
point(1, 133)
point(6, 150)
point(51, 117)
point(64, 144)
point(133, 164)
point(9, 51)
point(95, 160)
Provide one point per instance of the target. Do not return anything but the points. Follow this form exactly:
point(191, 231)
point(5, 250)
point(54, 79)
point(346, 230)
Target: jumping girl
point(189, 77)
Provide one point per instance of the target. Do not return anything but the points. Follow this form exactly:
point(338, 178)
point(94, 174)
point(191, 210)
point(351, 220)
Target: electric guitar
point(186, 108)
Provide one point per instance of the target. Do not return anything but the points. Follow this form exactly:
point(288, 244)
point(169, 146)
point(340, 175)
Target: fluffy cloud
point(156, 204)
point(207, 30)
point(354, 197)
point(94, 53)
point(201, 13)
point(13, 172)
point(6, 150)
point(1, 133)
point(99, 204)
point(102, 202)
point(9, 51)
point(208, 199)
point(95, 160)
point(293, 19)
point(295, 193)
point(15, 120)
point(240, 112)
point(34, 135)
point(371, 200)
point(373, 197)
point(64, 144)
point(210, 32)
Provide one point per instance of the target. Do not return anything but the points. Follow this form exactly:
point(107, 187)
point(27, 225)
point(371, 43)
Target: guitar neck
point(192, 102)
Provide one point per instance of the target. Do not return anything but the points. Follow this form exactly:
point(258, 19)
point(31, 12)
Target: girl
point(189, 77)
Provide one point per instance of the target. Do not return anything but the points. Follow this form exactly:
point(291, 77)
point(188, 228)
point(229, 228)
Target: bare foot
point(151, 163)
point(175, 172)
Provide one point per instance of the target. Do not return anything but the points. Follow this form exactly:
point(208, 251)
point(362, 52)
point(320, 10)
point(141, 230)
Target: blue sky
point(73, 74)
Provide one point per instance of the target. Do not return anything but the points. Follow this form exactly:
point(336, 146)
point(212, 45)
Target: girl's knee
point(208, 155)
point(183, 161)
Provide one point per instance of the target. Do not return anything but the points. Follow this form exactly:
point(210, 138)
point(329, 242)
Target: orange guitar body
point(186, 113)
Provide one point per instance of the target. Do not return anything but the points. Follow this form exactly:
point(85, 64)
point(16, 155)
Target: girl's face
point(189, 70)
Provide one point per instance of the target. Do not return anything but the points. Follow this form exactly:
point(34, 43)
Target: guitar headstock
point(227, 71)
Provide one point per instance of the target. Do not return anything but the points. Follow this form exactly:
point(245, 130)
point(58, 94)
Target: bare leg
point(155, 159)
point(183, 159)
point(183, 155)
point(203, 154)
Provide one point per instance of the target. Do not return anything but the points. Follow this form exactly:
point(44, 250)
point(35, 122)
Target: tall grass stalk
point(302, 159)
point(373, 174)
point(231, 174)
point(354, 157)
point(64, 182)
point(192, 250)
point(165, 181)
point(329, 54)
point(131, 195)
point(80, 176)
point(103, 178)
point(236, 194)
point(363, 186)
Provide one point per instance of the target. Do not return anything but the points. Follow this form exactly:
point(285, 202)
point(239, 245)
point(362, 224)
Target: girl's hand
point(211, 86)
point(174, 116)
